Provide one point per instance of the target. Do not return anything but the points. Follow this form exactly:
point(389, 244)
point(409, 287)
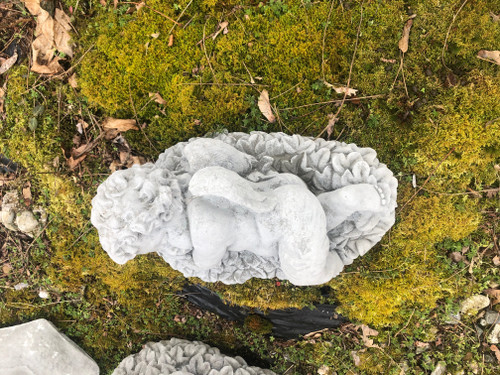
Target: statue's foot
point(342, 203)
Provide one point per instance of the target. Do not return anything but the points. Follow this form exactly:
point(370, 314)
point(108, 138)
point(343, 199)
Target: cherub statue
point(239, 206)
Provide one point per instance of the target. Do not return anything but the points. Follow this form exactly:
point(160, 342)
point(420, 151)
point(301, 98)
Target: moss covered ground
point(432, 114)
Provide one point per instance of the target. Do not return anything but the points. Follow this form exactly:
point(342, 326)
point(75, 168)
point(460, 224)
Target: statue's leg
point(211, 233)
point(341, 203)
point(304, 253)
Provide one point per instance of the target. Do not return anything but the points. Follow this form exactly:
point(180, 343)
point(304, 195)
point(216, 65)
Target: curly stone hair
point(133, 207)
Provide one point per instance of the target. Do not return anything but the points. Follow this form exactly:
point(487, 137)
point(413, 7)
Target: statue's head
point(140, 210)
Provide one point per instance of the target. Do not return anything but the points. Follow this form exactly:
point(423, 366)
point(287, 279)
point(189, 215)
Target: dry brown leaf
point(496, 260)
point(265, 106)
point(52, 35)
point(494, 295)
point(7, 64)
point(121, 125)
point(103, 2)
point(27, 193)
point(390, 61)
point(495, 350)
point(355, 358)
point(495, 17)
point(171, 40)
point(6, 268)
point(140, 5)
point(157, 98)
point(403, 42)
point(81, 126)
point(138, 160)
point(366, 332)
point(72, 80)
point(155, 35)
point(331, 123)
point(77, 152)
point(490, 56)
point(114, 166)
point(2, 99)
point(115, 4)
point(222, 27)
point(342, 89)
point(124, 156)
point(73, 163)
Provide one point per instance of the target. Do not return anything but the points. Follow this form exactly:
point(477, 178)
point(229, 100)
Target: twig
point(137, 118)
point(403, 74)
point(427, 180)
point(335, 101)
point(445, 44)
point(154, 10)
point(205, 51)
point(220, 84)
point(350, 73)
point(287, 91)
point(178, 18)
point(323, 41)
point(406, 325)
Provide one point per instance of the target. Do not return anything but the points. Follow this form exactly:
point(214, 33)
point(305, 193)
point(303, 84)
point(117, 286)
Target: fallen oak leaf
point(366, 332)
point(222, 26)
point(7, 64)
point(494, 294)
point(73, 163)
point(490, 56)
point(265, 106)
point(403, 42)
point(495, 350)
point(495, 17)
point(342, 89)
point(157, 98)
point(121, 125)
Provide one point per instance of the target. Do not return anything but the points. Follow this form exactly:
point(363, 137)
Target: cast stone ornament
point(38, 348)
point(238, 206)
point(183, 357)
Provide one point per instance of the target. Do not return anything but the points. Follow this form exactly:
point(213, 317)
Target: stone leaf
point(39, 348)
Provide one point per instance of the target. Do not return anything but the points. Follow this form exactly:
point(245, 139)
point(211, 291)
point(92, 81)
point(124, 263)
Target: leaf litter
point(265, 106)
point(53, 41)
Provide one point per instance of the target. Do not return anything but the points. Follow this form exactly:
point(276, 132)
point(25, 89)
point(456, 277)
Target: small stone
point(453, 318)
point(494, 336)
point(456, 256)
point(492, 317)
point(440, 369)
point(39, 348)
point(43, 294)
point(473, 304)
point(20, 286)
point(27, 222)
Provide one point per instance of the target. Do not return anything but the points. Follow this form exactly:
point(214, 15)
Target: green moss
point(405, 272)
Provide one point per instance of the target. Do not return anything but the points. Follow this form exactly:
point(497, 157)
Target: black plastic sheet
point(287, 323)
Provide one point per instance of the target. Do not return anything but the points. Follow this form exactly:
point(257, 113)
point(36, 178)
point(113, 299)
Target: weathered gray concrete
point(240, 205)
point(38, 348)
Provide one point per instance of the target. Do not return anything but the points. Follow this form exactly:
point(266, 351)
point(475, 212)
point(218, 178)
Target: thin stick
point(220, 84)
point(205, 51)
point(137, 118)
point(427, 180)
point(350, 73)
point(287, 91)
point(335, 101)
point(154, 10)
point(406, 325)
point(445, 44)
point(178, 18)
point(323, 41)
point(403, 74)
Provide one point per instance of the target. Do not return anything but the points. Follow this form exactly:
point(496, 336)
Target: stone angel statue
point(239, 205)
